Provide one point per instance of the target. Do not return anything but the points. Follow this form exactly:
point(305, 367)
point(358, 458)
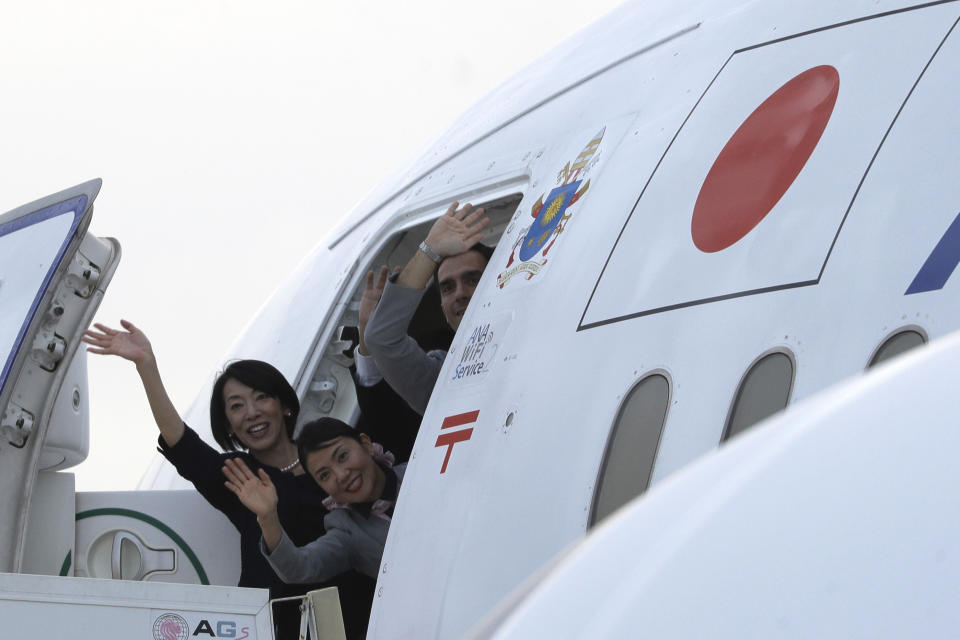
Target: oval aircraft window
point(896, 344)
point(765, 389)
point(632, 448)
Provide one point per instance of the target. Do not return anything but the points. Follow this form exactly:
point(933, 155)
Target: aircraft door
point(53, 275)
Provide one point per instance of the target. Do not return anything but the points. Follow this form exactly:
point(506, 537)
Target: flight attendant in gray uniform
point(452, 251)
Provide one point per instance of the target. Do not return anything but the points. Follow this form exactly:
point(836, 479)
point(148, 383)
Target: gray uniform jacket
point(352, 541)
point(406, 367)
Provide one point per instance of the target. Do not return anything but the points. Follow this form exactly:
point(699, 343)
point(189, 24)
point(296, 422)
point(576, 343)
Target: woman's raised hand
point(131, 344)
point(256, 492)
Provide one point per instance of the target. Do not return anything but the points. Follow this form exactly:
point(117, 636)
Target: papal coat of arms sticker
point(550, 217)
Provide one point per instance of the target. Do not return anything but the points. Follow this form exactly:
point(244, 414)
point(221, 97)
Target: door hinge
point(82, 276)
point(17, 425)
point(48, 349)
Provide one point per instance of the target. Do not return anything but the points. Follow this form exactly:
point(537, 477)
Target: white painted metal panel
point(47, 607)
point(171, 536)
point(51, 532)
point(790, 246)
point(838, 519)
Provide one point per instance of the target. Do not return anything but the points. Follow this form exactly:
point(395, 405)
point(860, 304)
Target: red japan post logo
point(450, 438)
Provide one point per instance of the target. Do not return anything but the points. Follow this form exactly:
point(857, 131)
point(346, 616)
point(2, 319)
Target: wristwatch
point(430, 253)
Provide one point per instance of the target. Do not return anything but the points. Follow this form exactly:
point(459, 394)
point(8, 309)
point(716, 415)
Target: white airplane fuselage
point(679, 193)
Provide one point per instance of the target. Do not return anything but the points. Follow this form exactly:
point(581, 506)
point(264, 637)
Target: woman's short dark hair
point(257, 375)
point(318, 434)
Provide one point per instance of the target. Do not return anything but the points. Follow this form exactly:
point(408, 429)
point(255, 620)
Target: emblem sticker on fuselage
point(551, 215)
point(475, 352)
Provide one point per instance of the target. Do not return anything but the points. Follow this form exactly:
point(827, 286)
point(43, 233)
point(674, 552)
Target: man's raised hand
point(457, 230)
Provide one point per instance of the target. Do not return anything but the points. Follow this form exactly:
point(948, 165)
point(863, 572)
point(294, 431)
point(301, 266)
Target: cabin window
point(899, 342)
point(764, 390)
point(632, 447)
point(331, 390)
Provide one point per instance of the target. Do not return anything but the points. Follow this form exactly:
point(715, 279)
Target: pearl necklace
point(295, 462)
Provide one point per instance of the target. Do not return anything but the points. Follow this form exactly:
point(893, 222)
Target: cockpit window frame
point(389, 238)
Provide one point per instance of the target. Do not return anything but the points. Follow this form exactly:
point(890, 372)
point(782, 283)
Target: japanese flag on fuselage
point(752, 193)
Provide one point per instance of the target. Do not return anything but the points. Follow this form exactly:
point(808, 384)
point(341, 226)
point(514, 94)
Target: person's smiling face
point(255, 417)
point(457, 279)
point(345, 469)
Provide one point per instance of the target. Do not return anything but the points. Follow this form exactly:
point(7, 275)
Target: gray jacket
point(352, 541)
point(407, 368)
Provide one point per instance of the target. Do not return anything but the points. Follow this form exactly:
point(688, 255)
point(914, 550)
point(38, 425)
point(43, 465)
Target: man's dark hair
point(482, 249)
point(257, 375)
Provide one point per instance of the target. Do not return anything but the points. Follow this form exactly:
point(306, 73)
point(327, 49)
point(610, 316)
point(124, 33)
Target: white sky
point(230, 135)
